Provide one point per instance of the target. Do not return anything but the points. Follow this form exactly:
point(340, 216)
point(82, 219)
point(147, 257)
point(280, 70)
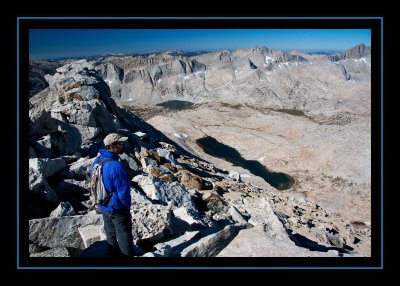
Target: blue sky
point(55, 43)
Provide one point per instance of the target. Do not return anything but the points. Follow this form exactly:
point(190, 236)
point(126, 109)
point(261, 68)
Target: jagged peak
point(360, 51)
point(362, 45)
point(256, 49)
point(357, 52)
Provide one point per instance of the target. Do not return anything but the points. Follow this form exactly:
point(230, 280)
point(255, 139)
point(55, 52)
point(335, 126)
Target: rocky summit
point(305, 118)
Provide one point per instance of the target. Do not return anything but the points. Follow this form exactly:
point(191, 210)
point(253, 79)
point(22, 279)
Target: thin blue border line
point(19, 18)
point(198, 18)
point(382, 142)
point(17, 142)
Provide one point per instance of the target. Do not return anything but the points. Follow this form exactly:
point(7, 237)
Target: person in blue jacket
point(116, 213)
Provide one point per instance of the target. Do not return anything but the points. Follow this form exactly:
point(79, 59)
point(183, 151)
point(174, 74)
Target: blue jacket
point(116, 181)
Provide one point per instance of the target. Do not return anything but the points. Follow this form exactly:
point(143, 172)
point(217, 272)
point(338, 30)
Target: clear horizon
point(65, 43)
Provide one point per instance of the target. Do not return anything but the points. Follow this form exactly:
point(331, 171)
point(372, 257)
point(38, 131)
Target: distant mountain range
point(158, 76)
point(322, 52)
point(184, 54)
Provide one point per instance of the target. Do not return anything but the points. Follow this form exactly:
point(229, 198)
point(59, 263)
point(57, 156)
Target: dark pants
point(118, 228)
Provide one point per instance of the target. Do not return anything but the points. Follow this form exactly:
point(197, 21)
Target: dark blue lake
point(211, 146)
point(176, 104)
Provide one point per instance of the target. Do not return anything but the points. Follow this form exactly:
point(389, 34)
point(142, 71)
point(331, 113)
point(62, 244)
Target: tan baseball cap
point(112, 138)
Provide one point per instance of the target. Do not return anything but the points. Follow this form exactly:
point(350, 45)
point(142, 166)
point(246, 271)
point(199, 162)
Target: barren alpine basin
point(329, 162)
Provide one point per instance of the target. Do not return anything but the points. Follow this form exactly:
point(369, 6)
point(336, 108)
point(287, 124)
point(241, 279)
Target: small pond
point(211, 146)
point(176, 104)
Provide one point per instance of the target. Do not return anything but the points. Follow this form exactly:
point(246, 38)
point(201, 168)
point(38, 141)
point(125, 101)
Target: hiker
point(116, 213)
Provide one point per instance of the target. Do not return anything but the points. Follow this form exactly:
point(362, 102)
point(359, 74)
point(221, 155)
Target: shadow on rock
point(303, 241)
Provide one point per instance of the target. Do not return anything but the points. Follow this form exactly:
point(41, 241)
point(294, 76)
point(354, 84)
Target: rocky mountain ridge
point(181, 204)
point(251, 76)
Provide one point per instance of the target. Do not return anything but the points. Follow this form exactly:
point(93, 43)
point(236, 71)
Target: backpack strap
point(102, 163)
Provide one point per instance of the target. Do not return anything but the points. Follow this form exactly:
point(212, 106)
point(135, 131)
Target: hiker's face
point(118, 147)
